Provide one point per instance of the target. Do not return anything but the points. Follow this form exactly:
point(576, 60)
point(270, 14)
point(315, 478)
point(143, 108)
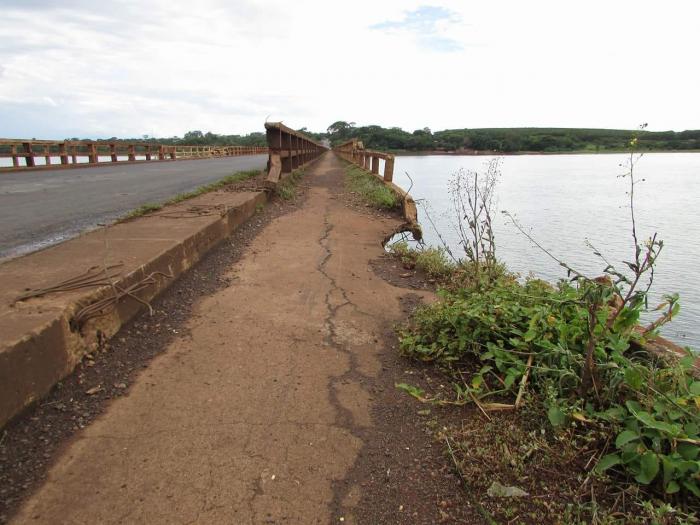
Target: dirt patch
point(30, 444)
point(403, 470)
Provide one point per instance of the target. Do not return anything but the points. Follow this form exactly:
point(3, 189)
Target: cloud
point(425, 23)
point(132, 67)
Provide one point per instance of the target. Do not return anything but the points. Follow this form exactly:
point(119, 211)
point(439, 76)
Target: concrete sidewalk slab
point(40, 342)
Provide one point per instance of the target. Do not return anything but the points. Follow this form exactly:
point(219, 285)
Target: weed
point(230, 179)
point(287, 188)
point(180, 197)
point(143, 210)
point(432, 261)
point(371, 189)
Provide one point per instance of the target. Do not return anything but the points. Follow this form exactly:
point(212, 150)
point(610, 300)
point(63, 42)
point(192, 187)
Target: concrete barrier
point(43, 338)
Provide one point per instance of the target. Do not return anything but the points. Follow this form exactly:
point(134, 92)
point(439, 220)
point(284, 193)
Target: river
point(565, 199)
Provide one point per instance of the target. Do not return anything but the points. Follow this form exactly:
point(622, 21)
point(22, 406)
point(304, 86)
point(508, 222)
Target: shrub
point(499, 339)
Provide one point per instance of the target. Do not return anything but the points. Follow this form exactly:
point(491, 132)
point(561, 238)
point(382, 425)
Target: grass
point(371, 189)
point(287, 187)
point(150, 207)
point(432, 261)
point(143, 210)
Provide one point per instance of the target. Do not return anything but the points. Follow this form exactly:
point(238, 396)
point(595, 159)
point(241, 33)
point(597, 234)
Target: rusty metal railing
point(24, 153)
point(353, 151)
point(288, 150)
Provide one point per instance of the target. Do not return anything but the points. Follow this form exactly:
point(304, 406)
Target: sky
point(80, 68)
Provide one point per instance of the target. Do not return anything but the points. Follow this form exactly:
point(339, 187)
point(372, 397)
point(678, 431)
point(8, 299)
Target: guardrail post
point(113, 152)
point(15, 159)
point(62, 153)
point(148, 152)
point(286, 141)
point(92, 153)
point(29, 154)
point(132, 152)
point(47, 154)
point(161, 152)
point(74, 153)
point(375, 165)
point(389, 169)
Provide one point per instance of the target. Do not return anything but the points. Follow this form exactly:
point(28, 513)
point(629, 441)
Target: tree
point(340, 129)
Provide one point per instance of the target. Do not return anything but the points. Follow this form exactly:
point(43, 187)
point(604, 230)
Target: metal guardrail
point(354, 151)
point(67, 153)
point(288, 150)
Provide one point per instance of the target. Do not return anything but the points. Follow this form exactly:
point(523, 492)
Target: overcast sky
point(162, 67)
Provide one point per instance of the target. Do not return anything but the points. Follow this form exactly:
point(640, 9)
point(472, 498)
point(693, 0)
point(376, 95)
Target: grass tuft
point(433, 261)
point(180, 197)
point(287, 187)
point(143, 210)
point(371, 189)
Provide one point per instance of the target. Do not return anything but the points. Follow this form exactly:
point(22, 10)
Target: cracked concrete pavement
point(252, 414)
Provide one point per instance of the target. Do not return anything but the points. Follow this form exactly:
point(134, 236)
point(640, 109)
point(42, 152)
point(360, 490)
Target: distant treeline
point(197, 138)
point(507, 140)
point(504, 140)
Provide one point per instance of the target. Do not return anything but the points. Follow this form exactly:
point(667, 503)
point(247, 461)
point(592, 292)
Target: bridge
point(226, 358)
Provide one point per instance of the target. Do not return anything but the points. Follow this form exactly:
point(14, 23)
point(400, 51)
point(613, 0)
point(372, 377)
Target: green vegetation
point(371, 189)
point(194, 138)
point(143, 210)
point(507, 140)
point(567, 364)
point(239, 176)
point(287, 187)
point(503, 140)
point(230, 179)
point(431, 260)
point(505, 343)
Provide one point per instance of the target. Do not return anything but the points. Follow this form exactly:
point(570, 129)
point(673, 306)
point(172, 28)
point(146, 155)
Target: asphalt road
point(40, 208)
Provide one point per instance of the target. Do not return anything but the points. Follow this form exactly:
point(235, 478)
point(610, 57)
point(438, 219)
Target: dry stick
point(523, 382)
point(479, 405)
point(498, 406)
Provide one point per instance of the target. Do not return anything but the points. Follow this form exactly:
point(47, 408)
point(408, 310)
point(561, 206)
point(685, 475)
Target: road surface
point(41, 208)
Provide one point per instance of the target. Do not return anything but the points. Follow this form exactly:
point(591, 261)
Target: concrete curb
point(41, 343)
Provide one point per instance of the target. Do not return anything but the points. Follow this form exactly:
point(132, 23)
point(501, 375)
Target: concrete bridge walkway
point(257, 412)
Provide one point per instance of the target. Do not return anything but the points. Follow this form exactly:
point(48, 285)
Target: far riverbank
point(477, 153)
